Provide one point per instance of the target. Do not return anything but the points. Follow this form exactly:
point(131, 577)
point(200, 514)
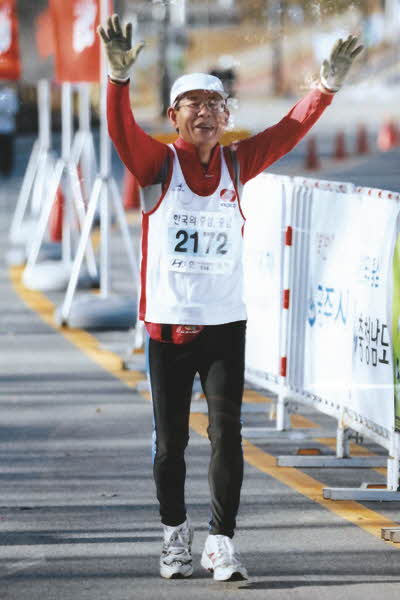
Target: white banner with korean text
point(342, 275)
point(372, 392)
point(348, 330)
point(264, 205)
point(331, 261)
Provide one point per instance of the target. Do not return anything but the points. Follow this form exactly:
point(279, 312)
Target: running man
point(191, 297)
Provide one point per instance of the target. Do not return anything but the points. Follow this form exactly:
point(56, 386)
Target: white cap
point(196, 81)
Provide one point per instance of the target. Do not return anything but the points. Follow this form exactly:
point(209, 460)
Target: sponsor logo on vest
point(188, 329)
point(179, 188)
point(228, 198)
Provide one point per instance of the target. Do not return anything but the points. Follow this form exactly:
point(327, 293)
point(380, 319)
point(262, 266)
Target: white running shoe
point(219, 557)
point(176, 556)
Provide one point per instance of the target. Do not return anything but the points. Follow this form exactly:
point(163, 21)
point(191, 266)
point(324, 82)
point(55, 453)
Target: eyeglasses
point(195, 106)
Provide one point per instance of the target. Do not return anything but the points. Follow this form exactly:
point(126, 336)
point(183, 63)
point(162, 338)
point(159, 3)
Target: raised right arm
point(142, 155)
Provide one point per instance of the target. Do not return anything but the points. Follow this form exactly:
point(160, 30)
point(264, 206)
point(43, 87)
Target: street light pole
point(162, 12)
point(275, 20)
point(178, 13)
point(392, 21)
point(172, 39)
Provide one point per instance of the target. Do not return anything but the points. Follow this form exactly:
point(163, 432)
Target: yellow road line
point(253, 397)
point(297, 421)
point(351, 511)
point(300, 421)
point(86, 342)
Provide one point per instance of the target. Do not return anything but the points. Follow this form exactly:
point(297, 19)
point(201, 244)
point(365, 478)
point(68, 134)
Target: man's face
point(200, 116)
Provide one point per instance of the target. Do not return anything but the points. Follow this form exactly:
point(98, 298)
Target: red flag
point(44, 34)
point(77, 45)
point(10, 64)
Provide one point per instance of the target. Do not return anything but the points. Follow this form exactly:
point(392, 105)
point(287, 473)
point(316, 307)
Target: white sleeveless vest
point(191, 267)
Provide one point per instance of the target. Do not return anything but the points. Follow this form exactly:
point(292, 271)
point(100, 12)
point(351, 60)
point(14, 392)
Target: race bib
point(200, 242)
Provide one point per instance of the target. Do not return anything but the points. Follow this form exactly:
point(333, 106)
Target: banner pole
point(66, 120)
point(43, 91)
point(393, 463)
point(66, 142)
point(83, 152)
point(39, 158)
point(84, 107)
point(43, 95)
point(105, 168)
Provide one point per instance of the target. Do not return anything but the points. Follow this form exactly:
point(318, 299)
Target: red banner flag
point(77, 45)
point(10, 64)
point(44, 34)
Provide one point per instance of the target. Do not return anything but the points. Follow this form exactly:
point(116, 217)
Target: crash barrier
point(54, 274)
point(53, 194)
point(322, 284)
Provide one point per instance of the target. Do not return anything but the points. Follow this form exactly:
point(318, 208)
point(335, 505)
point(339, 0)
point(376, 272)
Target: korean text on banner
point(77, 46)
point(372, 386)
point(396, 328)
point(332, 260)
point(10, 64)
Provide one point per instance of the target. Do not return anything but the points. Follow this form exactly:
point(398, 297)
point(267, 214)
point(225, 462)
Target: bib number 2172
point(207, 242)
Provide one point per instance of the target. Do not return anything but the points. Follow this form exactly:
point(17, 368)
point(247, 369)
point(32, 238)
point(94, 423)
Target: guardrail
point(323, 295)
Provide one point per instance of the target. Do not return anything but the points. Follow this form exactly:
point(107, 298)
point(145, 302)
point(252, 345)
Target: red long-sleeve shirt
point(145, 157)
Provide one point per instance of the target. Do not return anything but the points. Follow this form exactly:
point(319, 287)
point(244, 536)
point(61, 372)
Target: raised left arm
point(258, 152)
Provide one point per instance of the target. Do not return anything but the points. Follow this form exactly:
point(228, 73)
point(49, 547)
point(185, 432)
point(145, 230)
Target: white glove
point(334, 70)
point(118, 46)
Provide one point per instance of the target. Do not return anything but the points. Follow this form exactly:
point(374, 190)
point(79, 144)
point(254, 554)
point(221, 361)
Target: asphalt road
point(78, 516)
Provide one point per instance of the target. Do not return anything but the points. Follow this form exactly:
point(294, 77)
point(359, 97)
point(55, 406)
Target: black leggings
point(217, 354)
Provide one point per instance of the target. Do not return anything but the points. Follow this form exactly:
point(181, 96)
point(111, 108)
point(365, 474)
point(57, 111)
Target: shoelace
point(178, 544)
point(225, 554)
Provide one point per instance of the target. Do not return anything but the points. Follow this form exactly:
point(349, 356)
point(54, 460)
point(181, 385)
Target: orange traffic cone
point(312, 161)
point(131, 191)
point(56, 217)
point(388, 136)
point(362, 146)
point(340, 146)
